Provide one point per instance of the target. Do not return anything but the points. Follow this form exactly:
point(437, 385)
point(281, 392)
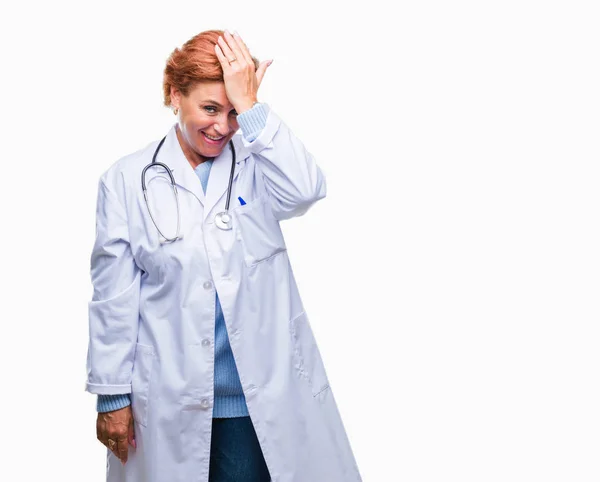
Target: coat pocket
point(308, 359)
point(258, 230)
point(143, 366)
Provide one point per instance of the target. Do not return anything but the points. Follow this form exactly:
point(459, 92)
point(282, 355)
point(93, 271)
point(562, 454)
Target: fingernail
point(271, 61)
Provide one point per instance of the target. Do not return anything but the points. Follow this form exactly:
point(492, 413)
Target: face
point(205, 111)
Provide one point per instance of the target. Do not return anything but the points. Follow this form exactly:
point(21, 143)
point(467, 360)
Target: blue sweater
point(229, 395)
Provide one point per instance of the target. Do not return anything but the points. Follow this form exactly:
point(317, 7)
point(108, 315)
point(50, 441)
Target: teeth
point(213, 138)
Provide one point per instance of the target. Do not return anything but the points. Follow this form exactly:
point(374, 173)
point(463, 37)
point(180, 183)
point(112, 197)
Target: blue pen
point(242, 202)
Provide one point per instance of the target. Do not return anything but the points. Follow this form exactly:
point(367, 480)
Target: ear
point(175, 97)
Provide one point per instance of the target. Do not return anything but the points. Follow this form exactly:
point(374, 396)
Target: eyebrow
point(214, 102)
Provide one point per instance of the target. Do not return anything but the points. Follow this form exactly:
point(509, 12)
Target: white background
point(451, 273)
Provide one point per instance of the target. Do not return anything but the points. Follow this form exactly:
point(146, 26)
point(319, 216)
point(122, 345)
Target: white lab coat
point(152, 315)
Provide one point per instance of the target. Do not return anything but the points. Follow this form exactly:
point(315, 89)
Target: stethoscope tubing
point(219, 218)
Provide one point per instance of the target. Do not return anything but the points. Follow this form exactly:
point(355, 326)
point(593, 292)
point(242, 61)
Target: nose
point(222, 125)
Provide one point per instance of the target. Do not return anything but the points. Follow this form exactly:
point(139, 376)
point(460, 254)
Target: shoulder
point(126, 166)
point(125, 173)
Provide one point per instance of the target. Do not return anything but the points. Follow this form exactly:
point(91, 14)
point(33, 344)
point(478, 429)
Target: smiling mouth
point(212, 138)
point(217, 142)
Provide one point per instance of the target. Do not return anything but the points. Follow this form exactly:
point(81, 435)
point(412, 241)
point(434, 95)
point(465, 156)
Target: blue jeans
point(235, 454)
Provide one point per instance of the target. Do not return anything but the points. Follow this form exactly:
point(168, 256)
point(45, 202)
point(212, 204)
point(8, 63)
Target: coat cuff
point(108, 403)
point(253, 121)
point(104, 389)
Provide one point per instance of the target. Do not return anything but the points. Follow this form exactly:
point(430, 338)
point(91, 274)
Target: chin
point(211, 152)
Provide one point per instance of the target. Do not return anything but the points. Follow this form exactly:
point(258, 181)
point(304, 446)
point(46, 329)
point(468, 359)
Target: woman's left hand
point(241, 79)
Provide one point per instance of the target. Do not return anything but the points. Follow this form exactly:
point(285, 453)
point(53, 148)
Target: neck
point(192, 156)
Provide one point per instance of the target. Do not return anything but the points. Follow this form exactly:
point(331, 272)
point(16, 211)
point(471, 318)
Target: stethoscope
point(222, 219)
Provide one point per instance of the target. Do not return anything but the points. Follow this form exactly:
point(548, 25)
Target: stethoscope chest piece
point(223, 220)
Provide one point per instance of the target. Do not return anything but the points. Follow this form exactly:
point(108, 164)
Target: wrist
point(246, 106)
point(108, 403)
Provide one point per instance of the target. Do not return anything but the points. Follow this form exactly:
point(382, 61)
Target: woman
point(200, 350)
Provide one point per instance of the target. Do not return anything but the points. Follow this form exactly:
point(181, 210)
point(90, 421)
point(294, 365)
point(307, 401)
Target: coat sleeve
point(114, 308)
point(292, 178)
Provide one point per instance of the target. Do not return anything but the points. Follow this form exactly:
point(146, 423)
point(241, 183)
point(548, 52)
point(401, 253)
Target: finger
point(226, 50)
point(131, 434)
point(122, 448)
point(243, 48)
point(101, 433)
point(235, 48)
point(222, 58)
point(103, 437)
point(262, 68)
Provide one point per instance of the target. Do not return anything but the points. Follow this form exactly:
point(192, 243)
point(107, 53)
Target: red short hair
point(196, 61)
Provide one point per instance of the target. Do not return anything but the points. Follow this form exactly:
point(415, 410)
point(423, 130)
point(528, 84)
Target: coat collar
point(172, 155)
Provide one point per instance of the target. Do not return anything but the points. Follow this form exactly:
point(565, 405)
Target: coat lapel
point(218, 180)
point(172, 155)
